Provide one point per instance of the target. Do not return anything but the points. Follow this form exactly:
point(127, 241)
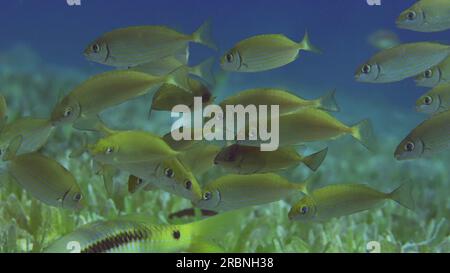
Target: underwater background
point(41, 56)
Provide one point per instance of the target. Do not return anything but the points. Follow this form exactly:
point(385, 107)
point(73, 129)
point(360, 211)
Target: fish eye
point(77, 197)
point(109, 150)
point(428, 100)
point(140, 181)
point(188, 184)
point(411, 15)
point(169, 173)
point(207, 196)
point(304, 210)
point(366, 69)
point(67, 112)
point(409, 146)
point(229, 57)
point(95, 48)
point(428, 74)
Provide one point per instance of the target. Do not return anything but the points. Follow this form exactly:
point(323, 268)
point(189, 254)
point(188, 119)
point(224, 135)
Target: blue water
point(59, 33)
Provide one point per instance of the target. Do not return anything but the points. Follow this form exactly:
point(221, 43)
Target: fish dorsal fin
point(13, 147)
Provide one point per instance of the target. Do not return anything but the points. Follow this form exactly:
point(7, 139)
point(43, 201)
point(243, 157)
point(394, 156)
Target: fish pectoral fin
point(109, 172)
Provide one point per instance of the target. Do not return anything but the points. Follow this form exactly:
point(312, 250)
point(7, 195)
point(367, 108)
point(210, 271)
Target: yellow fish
point(44, 178)
point(248, 159)
point(131, 147)
point(132, 46)
point(401, 62)
point(426, 16)
point(136, 234)
point(345, 199)
point(436, 75)
point(430, 137)
point(109, 89)
point(264, 52)
point(435, 101)
point(287, 101)
point(310, 125)
point(235, 191)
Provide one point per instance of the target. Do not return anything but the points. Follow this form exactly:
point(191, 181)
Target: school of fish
point(154, 59)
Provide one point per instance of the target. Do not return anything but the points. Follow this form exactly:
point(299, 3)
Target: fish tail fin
point(314, 161)
point(13, 147)
point(215, 227)
point(204, 71)
point(403, 196)
point(203, 35)
point(328, 102)
point(363, 132)
point(179, 77)
point(306, 44)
